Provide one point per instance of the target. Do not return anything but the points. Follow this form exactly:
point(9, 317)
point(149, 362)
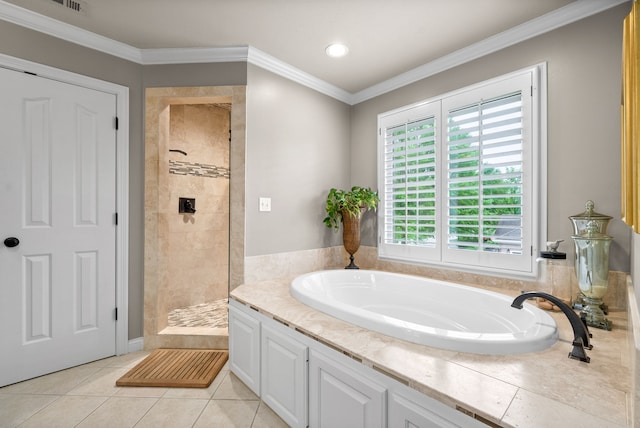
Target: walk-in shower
point(194, 211)
point(196, 241)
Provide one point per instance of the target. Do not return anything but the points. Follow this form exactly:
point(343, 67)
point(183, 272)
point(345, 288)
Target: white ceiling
point(386, 38)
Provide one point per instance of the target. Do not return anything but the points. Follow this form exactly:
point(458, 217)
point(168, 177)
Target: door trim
point(122, 177)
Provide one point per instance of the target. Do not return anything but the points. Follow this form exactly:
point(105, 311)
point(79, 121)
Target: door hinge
point(115, 312)
point(116, 123)
point(115, 218)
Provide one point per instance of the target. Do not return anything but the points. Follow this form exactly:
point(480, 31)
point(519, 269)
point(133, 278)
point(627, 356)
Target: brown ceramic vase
point(351, 235)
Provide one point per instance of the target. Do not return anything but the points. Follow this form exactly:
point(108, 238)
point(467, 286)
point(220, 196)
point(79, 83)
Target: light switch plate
point(265, 204)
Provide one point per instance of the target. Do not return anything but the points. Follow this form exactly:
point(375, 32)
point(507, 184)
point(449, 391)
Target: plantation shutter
point(457, 178)
point(485, 175)
point(410, 183)
point(408, 205)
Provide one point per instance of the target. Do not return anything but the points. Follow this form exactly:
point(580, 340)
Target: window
point(458, 178)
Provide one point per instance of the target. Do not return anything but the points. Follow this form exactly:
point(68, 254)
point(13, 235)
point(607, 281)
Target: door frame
point(122, 176)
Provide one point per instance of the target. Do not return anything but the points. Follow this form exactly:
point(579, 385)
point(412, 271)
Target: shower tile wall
point(197, 245)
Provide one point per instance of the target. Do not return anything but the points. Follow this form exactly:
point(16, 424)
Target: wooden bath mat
point(177, 368)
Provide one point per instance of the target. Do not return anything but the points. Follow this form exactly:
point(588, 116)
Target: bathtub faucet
point(581, 333)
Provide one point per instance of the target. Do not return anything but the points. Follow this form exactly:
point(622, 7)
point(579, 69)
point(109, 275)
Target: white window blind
point(456, 178)
point(484, 181)
point(410, 183)
point(408, 222)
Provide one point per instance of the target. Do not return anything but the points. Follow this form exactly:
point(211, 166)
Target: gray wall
point(584, 63)
point(297, 149)
point(210, 74)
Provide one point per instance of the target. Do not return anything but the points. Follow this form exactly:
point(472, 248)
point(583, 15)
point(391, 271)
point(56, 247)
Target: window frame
point(534, 175)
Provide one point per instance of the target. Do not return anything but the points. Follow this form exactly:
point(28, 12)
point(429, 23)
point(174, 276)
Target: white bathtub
point(428, 312)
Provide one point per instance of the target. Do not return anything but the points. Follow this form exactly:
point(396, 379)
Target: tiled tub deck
point(527, 390)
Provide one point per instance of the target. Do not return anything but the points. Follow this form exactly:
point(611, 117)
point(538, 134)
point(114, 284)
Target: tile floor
point(86, 397)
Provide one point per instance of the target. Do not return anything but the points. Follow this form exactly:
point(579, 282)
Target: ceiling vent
point(75, 5)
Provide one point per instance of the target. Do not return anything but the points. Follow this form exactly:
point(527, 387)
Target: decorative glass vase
point(579, 223)
point(351, 235)
point(592, 272)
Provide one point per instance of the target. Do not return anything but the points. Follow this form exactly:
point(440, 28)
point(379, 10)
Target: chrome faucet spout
point(580, 331)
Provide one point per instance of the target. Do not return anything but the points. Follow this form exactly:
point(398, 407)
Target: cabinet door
point(341, 398)
point(406, 413)
point(244, 348)
point(284, 376)
point(411, 409)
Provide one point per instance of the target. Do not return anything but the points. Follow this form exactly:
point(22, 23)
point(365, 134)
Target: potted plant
point(346, 207)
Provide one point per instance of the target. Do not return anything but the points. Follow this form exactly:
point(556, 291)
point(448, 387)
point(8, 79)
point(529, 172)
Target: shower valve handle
point(188, 207)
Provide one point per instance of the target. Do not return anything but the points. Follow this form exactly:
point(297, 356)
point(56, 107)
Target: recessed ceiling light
point(336, 50)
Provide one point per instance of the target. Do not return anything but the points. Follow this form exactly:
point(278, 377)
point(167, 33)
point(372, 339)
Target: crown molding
point(52, 27)
point(247, 54)
point(194, 55)
point(572, 12)
point(274, 65)
point(565, 15)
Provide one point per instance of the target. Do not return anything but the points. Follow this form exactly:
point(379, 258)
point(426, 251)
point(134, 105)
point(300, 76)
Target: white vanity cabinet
point(244, 348)
point(265, 355)
point(342, 398)
point(284, 375)
point(309, 384)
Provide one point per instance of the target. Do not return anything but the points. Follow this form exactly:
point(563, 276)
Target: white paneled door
point(57, 225)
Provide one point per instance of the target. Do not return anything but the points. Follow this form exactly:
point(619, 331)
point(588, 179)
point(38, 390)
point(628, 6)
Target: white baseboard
point(136, 344)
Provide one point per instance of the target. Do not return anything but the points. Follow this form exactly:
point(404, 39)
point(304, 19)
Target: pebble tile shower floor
point(212, 315)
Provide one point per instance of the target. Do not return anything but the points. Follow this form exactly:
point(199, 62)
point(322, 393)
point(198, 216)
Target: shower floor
point(211, 318)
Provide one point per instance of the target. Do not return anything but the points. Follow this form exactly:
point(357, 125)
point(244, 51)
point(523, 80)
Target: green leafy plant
point(351, 201)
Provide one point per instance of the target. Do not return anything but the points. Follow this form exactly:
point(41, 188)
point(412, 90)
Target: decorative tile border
point(198, 169)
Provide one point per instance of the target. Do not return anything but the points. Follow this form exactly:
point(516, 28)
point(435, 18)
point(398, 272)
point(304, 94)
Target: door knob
point(11, 242)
